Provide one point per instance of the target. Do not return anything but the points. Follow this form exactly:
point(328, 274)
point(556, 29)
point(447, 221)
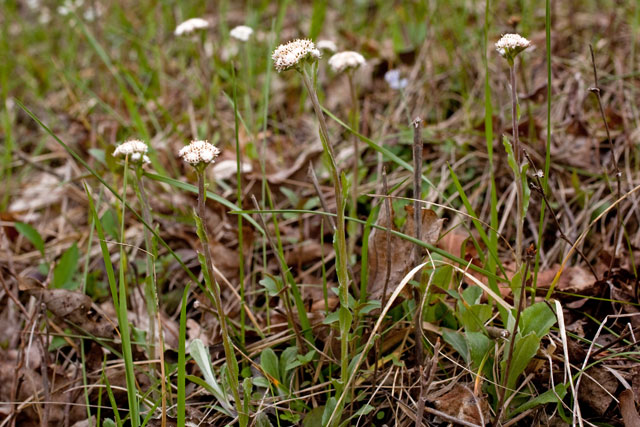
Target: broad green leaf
point(271, 285)
point(201, 355)
point(328, 410)
point(549, 396)
point(478, 344)
point(456, 340)
point(66, 268)
point(473, 318)
point(538, 318)
point(32, 235)
point(287, 359)
point(314, 417)
point(524, 350)
point(109, 223)
point(269, 362)
point(472, 295)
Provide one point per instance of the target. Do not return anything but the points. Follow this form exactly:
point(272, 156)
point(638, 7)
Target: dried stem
point(540, 189)
point(596, 91)
point(387, 275)
point(417, 218)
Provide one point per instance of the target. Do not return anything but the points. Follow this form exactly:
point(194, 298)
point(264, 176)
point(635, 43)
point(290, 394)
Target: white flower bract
point(135, 149)
point(199, 151)
point(347, 60)
point(511, 45)
point(190, 25)
point(241, 32)
point(287, 56)
point(327, 45)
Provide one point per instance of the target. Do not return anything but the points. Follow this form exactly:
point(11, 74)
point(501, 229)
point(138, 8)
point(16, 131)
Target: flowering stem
point(518, 156)
point(123, 321)
point(355, 121)
point(340, 239)
point(151, 294)
point(232, 363)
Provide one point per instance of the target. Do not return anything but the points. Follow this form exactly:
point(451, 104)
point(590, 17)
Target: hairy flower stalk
point(294, 55)
point(200, 154)
point(137, 152)
point(348, 62)
point(509, 46)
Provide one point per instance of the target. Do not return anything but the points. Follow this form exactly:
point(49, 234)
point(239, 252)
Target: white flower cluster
point(241, 32)
point(327, 45)
point(190, 25)
point(392, 77)
point(510, 45)
point(199, 152)
point(135, 149)
point(287, 56)
point(347, 60)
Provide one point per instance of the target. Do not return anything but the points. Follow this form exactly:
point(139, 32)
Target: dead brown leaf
point(628, 409)
point(74, 309)
point(593, 389)
point(400, 249)
point(462, 404)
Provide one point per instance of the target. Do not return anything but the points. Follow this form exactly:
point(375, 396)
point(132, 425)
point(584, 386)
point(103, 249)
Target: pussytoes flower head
point(241, 32)
point(510, 45)
point(191, 25)
point(347, 60)
point(198, 152)
point(327, 45)
point(289, 55)
point(135, 149)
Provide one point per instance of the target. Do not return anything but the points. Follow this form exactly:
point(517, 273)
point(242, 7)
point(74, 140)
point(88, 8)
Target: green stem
point(355, 124)
point(239, 202)
point(341, 241)
point(518, 156)
point(123, 321)
point(151, 293)
point(230, 355)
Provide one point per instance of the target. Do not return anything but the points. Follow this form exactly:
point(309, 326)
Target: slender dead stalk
point(538, 187)
point(596, 91)
point(387, 275)
point(417, 218)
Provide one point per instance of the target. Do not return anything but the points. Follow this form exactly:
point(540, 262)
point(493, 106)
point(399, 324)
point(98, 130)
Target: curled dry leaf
point(628, 409)
point(400, 250)
point(73, 308)
point(596, 390)
point(462, 404)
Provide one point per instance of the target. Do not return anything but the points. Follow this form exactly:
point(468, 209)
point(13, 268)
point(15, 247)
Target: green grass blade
point(428, 246)
point(182, 359)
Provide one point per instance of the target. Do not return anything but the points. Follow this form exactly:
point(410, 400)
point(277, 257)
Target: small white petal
point(346, 60)
point(241, 32)
point(327, 45)
point(190, 25)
